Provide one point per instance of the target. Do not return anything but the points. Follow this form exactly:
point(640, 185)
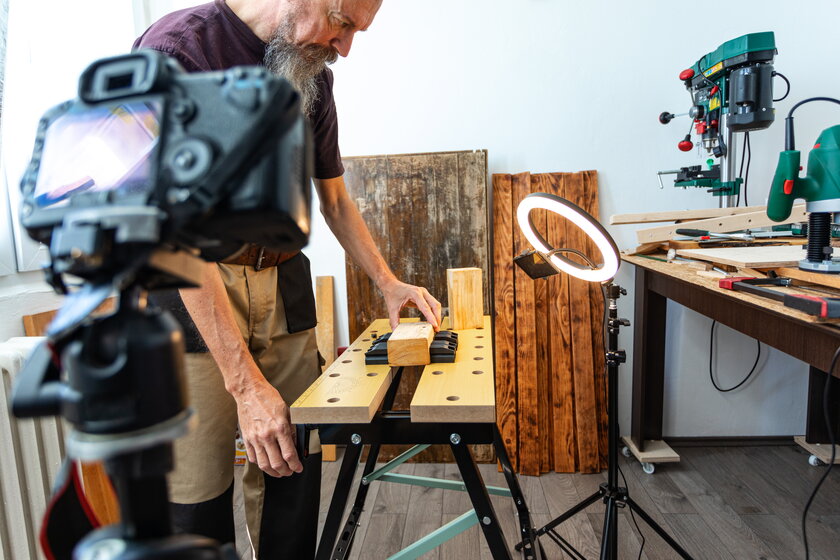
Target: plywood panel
point(751, 257)
point(348, 392)
point(504, 335)
point(681, 215)
point(462, 391)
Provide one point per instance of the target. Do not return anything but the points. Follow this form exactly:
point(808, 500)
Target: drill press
point(731, 91)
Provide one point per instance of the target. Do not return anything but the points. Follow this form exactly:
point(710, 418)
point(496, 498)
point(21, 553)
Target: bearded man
point(250, 327)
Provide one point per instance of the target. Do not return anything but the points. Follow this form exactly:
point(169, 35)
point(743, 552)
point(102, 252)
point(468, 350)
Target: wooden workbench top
point(350, 392)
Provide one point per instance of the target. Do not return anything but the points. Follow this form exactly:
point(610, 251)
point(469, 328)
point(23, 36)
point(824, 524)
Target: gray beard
point(299, 65)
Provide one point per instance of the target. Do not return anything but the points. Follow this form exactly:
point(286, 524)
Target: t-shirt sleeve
point(324, 123)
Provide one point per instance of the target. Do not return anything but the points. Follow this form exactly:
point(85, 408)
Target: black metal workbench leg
point(816, 430)
point(339, 500)
point(487, 519)
point(345, 539)
point(648, 362)
point(530, 544)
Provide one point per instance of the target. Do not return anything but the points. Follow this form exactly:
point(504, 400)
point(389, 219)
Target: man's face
point(312, 34)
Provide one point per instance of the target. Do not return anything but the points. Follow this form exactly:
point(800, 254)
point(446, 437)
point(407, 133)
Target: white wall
point(544, 86)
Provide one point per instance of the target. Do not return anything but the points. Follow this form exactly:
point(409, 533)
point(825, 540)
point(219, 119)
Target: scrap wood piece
point(751, 257)
point(409, 344)
point(722, 224)
point(681, 215)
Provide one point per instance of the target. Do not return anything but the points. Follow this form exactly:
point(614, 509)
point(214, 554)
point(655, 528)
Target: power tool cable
point(831, 441)
point(782, 98)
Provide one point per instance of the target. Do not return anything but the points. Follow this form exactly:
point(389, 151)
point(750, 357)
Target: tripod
point(123, 393)
point(613, 495)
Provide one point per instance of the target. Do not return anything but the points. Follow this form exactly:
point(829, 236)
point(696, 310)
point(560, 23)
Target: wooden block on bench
point(409, 344)
point(466, 301)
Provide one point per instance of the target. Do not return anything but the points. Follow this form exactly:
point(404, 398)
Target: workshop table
point(795, 333)
point(453, 404)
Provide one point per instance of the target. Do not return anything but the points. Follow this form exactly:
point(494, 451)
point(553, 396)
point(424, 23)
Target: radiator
point(31, 452)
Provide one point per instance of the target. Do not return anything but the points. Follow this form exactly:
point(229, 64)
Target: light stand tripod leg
point(656, 527)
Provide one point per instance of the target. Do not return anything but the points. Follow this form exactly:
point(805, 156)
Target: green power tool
point(820, 189)
point(731, 91)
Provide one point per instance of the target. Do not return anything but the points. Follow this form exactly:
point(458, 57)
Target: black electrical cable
point(782, 98)
point(831, 442)
point(711, 355)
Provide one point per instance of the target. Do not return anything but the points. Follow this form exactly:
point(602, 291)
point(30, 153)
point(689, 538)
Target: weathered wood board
point(462, 391)
point(751, 257)
point(426, 213)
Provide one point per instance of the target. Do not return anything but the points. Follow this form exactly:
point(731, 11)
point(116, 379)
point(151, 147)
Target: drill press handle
point(784, 189)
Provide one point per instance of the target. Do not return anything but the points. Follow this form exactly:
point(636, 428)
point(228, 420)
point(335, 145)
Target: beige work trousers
point(204, 457)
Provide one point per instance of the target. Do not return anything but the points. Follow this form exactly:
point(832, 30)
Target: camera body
point(151, 156)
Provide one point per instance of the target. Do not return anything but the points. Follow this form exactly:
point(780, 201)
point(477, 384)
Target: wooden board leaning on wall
point(426, 213)
point(550, 394)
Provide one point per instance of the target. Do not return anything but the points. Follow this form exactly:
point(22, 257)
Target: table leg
point(648, 362)
point(339, 500)
point(816, 430)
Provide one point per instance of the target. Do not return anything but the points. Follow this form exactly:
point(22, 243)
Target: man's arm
point(347, 224)
point(263, 414)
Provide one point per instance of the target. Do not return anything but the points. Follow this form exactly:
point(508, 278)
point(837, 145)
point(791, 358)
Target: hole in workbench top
point(437, 372)
point(480, 336)
point(478, 358)
point(372, 374)
point(452, 398)
point(334, 374)
point(333, 400)
point(357, 349)
point(479, 346)
point(478, 372)
point(346, 361)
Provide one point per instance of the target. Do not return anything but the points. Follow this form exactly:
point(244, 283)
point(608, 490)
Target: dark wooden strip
point(560, 355)
point(526, 346)
point(503, 315)
point(586, 414)
point(596, 308)
point(539, 183)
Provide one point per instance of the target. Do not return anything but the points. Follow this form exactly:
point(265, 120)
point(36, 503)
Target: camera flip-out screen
point(97, 149)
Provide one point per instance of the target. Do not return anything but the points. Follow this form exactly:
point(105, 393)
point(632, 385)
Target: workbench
point(453, 404)
point(792, 332)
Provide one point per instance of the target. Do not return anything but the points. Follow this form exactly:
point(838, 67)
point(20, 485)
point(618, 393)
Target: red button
point(789, 186)
point(816, 146)
point(687, 74)
point(685, 145)
point(714, 90)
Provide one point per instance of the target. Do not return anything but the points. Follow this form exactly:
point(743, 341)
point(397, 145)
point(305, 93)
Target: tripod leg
point(480, 499)
point(659, 530)
point(571, 512)
point(609, 543)
point(339, 501)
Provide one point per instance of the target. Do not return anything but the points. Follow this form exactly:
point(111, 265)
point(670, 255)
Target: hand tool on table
point(820, 188)
point(709, 234)
point(731, 91)
point(822, 307)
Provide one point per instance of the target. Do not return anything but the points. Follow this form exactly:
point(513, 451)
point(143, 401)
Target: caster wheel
point(648, 467)
point(815, 461)
point(625, 451)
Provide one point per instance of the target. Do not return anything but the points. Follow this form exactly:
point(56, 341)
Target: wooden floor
point(730, 503)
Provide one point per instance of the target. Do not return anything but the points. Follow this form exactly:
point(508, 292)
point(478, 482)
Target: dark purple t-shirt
point(211, 37)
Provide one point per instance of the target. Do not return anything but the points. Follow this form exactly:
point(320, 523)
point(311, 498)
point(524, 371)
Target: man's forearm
point(210, 309)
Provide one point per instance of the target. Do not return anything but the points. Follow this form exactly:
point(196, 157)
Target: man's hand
point(267, 430)
point(399, 294)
